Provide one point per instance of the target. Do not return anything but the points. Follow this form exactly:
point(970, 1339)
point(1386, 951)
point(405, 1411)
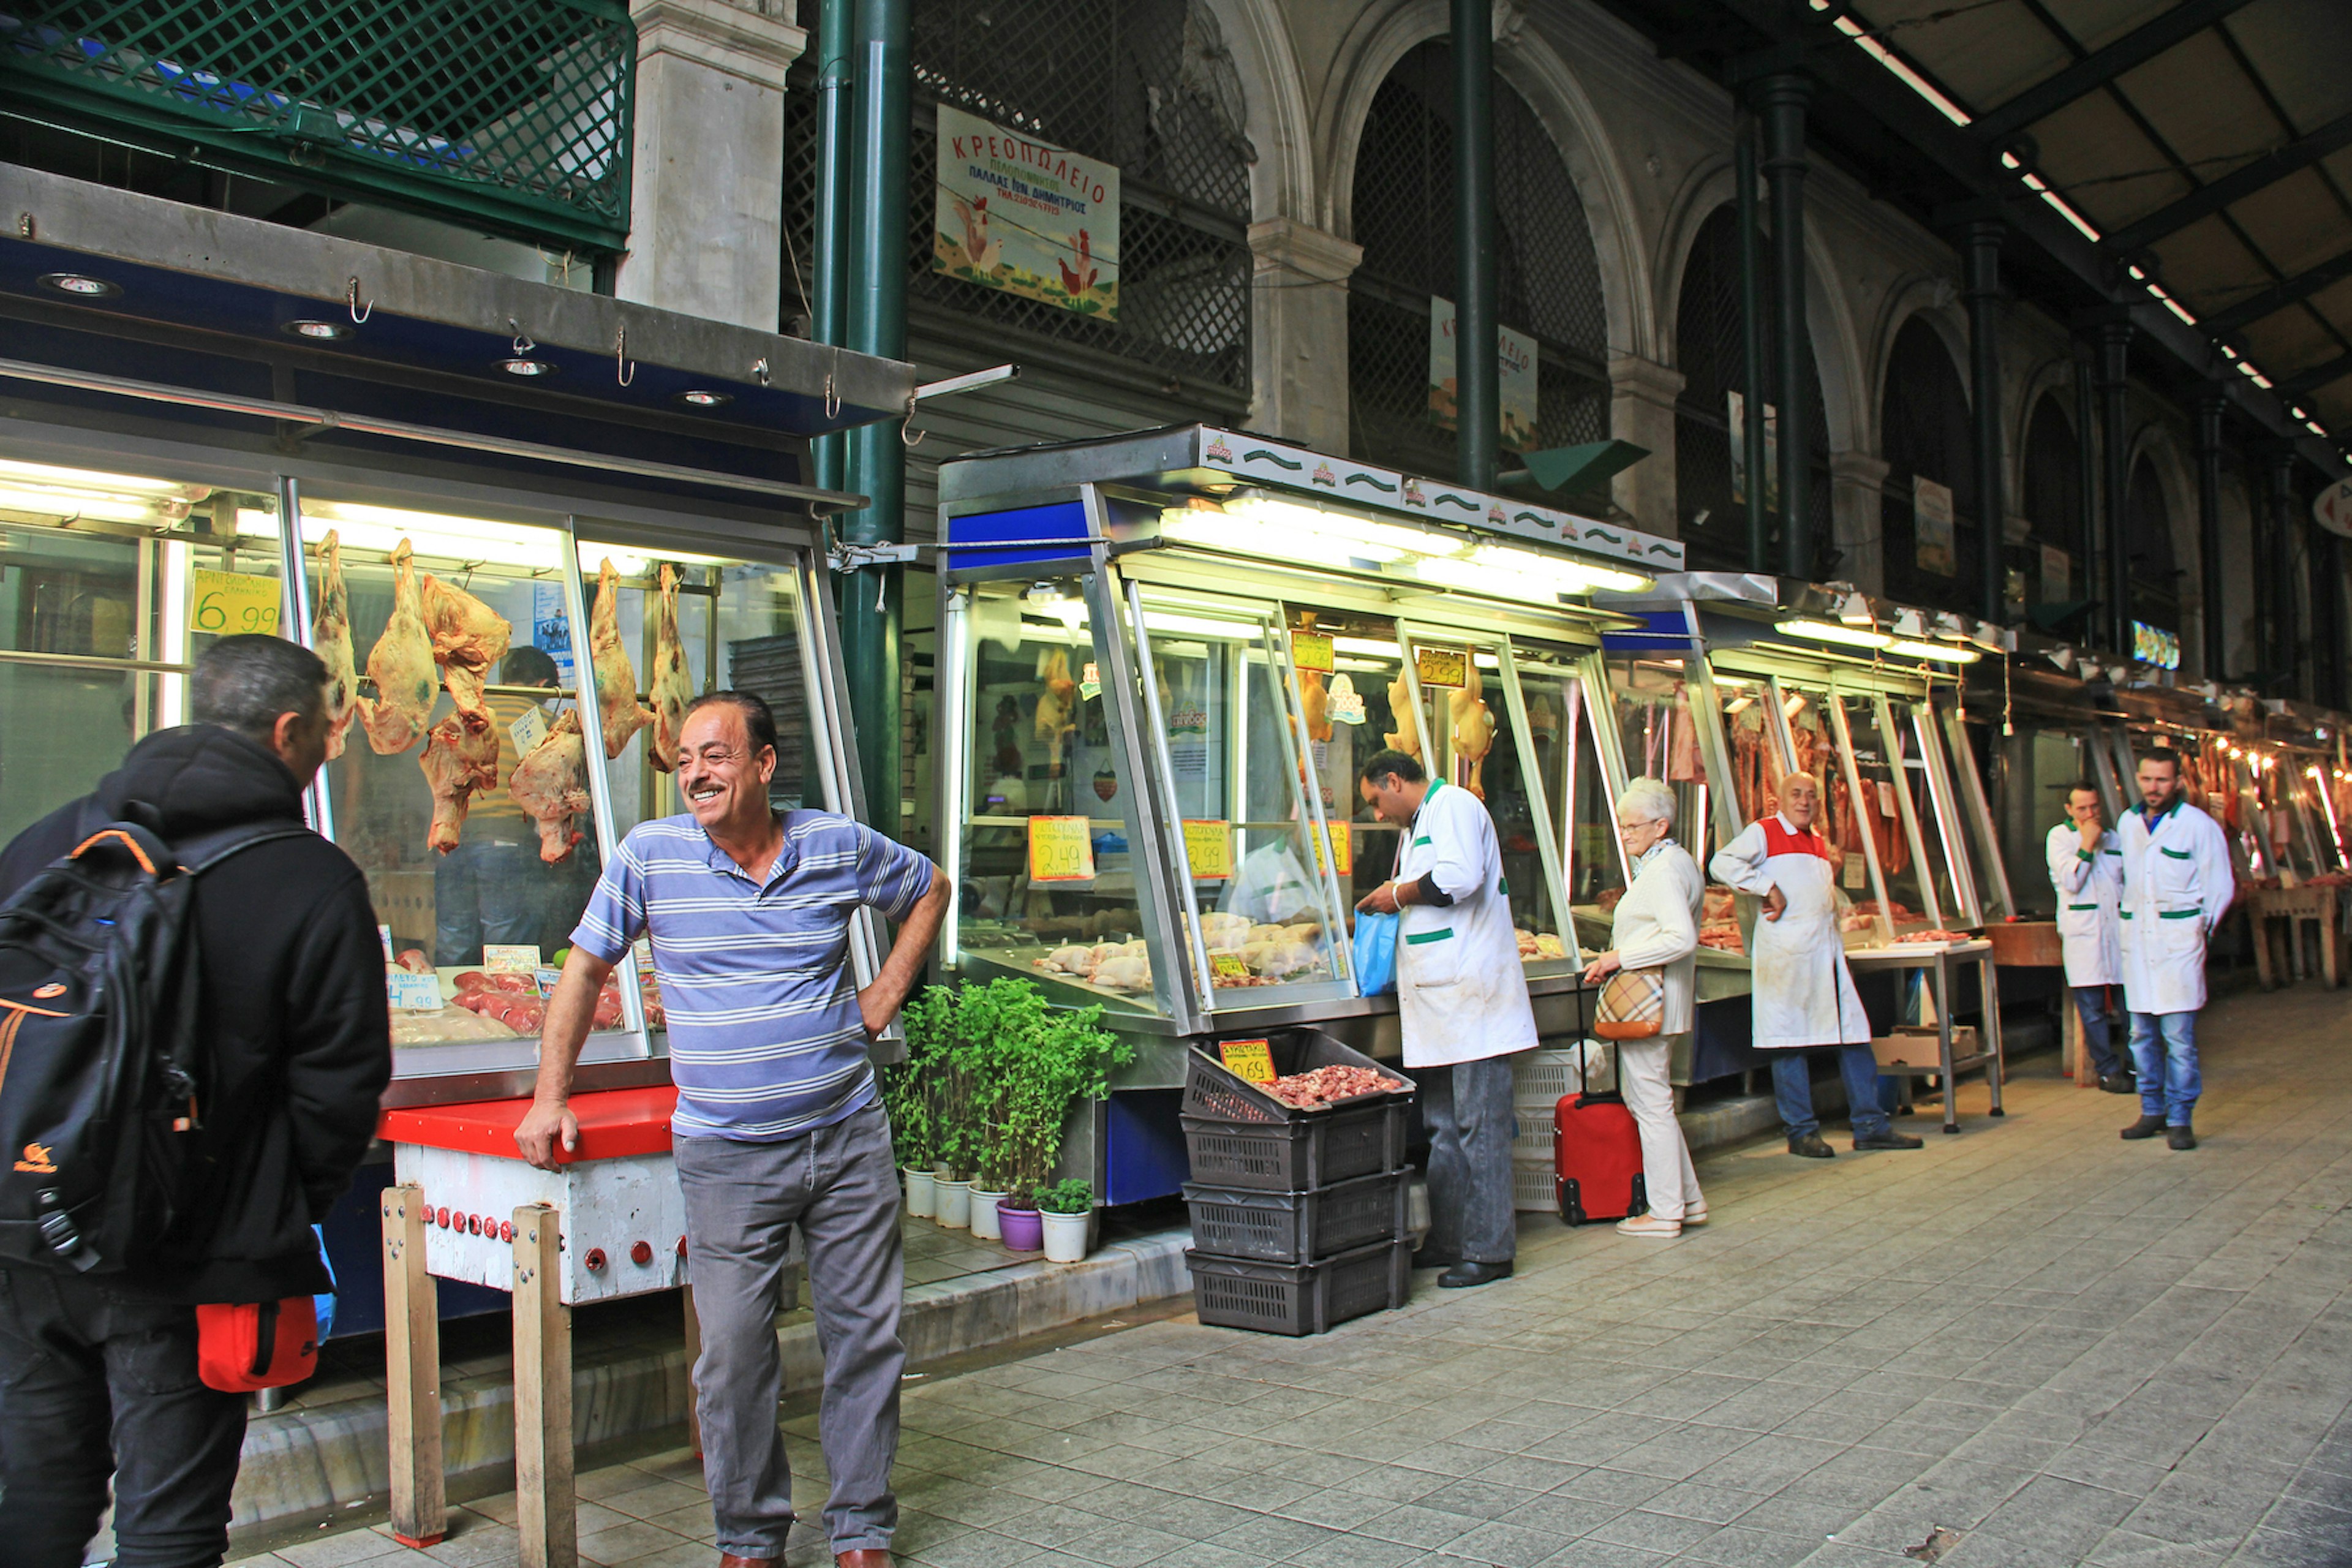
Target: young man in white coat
point(2178, 884)
point(2087, 868)
point(1462, 1000)
point(1802, 991)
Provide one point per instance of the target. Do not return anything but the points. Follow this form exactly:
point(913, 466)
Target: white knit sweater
point(1657, 925)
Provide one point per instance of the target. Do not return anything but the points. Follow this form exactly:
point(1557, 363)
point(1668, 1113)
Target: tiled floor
point(2052, 1347)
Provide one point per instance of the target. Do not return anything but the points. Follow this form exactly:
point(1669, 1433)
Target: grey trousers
point(840, 1187)
point(1467, 1109)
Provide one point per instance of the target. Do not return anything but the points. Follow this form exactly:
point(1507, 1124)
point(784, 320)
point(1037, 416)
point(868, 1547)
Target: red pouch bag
point(258, 1344)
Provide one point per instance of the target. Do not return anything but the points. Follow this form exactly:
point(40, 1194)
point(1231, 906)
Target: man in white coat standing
point(1802, 991)
point(2178, 884)
point(2087, 868)
point(1462, 1000)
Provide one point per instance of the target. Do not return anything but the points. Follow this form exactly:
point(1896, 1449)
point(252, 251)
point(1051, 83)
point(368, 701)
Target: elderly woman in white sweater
point(1657, 928)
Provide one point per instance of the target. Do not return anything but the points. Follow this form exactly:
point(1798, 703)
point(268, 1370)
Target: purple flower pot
point(1024, 1229)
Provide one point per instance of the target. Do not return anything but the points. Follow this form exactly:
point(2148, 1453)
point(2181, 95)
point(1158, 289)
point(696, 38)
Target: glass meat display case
point(509, 687)
point(1164, 660)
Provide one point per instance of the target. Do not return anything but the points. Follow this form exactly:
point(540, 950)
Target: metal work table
point(1935, 960)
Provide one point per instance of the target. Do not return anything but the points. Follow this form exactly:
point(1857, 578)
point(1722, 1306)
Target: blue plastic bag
point(325, 1303)
point(1376, 940)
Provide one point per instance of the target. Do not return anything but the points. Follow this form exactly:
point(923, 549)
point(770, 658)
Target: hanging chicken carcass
point(401, 666)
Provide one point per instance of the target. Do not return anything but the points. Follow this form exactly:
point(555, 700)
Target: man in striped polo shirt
point(778, 1120)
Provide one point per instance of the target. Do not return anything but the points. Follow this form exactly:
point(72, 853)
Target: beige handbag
point(1633, 1006)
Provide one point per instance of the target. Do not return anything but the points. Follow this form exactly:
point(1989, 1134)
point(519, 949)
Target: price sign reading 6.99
point(227, 602)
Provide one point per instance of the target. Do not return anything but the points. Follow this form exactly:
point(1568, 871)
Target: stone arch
point(1274, 98)
point(2166, 456)
point(1836, 356)
point(2051, 377)
point(1384, 35)
point(1936, 299)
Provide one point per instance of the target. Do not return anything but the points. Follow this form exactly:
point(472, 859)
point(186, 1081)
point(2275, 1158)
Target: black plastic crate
point(1300, 1298)
point(1297, 1227)
point(1211, 1091)
point(1365, 1139)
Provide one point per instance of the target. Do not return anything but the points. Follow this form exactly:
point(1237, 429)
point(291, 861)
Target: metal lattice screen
point(1711, 354)
point(1924, 432)
point(1145, 84)
point(2155, 578)
point(512, 115)
point(1547, 272)
point(2052, 498)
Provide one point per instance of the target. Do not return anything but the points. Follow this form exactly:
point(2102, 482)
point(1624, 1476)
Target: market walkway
point(2057, 1347)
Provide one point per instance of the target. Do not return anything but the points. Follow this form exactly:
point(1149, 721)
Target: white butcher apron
point(1461, 991)
point(2090, 896)
point(2178, 884)
point(1802, 993)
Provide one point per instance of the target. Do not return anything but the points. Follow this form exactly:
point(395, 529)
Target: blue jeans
point(1467, 1109)
point(2164, 1049)
point(488, 892)
point(1792, 1088)
point(2091, 1005)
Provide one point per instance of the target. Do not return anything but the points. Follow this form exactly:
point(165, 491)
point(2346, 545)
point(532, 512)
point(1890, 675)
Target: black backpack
point(102, 1077)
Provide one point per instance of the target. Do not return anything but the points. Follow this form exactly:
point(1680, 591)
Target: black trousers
point(96, 1382)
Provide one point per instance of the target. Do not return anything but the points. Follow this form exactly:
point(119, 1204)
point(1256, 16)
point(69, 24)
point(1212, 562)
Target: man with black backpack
point(263, 1101)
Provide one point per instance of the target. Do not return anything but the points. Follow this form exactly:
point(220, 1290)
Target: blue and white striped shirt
point(765, 1039)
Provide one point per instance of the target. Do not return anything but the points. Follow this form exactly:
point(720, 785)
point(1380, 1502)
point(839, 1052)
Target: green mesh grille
point(509, 114)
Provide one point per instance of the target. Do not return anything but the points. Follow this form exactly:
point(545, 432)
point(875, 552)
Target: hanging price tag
point(1060, 849)
point(1343, 852)
point(1225, 966)
point(1443, 666)
point(522, 958)
point(415, 992)
point(1248, 1059)
point(1885, 798)
point(1311, 651)
point(1856, 871)
point(225, 603)
point(1209, 847)
point(529, 731)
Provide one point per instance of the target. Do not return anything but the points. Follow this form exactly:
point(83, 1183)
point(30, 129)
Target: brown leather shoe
point(728, 1560)
point(861, 1557)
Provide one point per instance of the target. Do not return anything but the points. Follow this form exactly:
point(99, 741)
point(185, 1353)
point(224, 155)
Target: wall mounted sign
point(1025, 216)
point(1514, 359)
point(1931, 528)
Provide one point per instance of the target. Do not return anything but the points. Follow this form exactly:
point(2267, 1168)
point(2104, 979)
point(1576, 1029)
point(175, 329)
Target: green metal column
point(1781, 101)
point(2115, 453)
point(1752, 356)
point(873, 599)
point(836, 32)
point(1984, 239)
point(1478, 377)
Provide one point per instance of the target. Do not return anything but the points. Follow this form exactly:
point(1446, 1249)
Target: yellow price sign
point(1209, 845)
point(1248, 1059)
point(1227, 966)
point(1311, 651)
point(1444, 666)
point(1061, 850)
point(1343, 850)
point(227, 602)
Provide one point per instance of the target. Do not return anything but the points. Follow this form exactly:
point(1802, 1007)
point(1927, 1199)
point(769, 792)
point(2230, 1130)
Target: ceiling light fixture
point(81, 285)
point(1943, 653)
point(1834, 631)
point(318, 330)
point(700, 398)
point(519, 367)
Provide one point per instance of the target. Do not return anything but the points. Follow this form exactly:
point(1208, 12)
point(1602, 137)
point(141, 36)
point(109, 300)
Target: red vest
point(1779, 840)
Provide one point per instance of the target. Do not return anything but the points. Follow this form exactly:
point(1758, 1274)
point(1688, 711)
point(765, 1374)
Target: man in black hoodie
point(98, 1373)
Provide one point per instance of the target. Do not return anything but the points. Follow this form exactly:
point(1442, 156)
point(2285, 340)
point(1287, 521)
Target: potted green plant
point(1054, 1060)
point(1066, 1210)
point(907, 1100)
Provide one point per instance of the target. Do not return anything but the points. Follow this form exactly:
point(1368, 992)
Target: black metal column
point(1478, 377)
point(2210, 405)
point(1984, 237)
point(2088, 576)
point(2115, 365)
point(2282, 663)
point(1781, 101)
point(1752, 354)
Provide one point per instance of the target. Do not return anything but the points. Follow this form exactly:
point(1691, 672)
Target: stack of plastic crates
point(1298, 1216)
point(1538, 1079)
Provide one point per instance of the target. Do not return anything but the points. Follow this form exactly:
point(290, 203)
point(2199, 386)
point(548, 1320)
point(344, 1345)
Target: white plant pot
point(955, 1203)
point(983, 1215)
point(1066, 1236)
point(922, 1198)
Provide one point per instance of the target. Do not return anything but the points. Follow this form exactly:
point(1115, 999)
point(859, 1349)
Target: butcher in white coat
point(1801, 990)
point(2178, 884)
point(1463, 1004)
point(2087, 868)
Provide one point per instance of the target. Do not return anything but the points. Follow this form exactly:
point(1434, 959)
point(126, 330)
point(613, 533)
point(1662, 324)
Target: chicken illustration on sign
point(1025, 216)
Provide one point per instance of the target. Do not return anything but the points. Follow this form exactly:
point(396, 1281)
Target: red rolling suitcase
point(1596, 1159)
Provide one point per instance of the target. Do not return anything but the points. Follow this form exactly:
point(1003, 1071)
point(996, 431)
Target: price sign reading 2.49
point(1061, 850)
point(227, 602)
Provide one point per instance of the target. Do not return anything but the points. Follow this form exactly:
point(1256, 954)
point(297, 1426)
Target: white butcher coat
point(1803, 992)
point(1461, 991)
point(2090, 895)
point(2178, 884)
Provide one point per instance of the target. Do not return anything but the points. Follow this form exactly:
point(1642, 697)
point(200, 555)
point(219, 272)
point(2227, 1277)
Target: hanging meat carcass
point(461, 759)
point(401, 666)
point(671, 687)
point(550, 785)
point(331, 639)
point(468, 639)
point(616, 677)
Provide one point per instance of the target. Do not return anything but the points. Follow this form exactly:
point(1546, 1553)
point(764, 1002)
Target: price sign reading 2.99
point(227, 602)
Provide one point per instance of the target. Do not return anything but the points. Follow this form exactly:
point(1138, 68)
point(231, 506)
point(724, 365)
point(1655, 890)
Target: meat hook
point(624, 370)
point(351, 301)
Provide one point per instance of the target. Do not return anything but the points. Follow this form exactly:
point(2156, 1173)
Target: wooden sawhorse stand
point(2320, 905)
